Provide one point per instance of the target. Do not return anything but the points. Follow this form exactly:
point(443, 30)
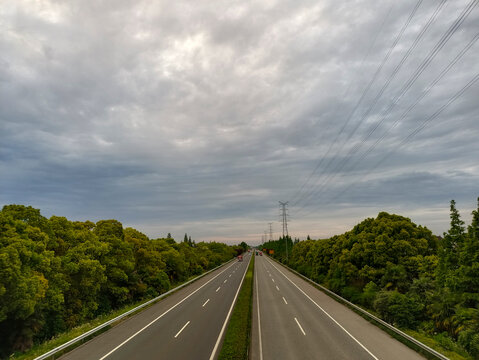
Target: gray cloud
point(187, 117)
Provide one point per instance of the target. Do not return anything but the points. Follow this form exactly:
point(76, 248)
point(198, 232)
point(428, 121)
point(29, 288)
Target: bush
point(351, 293)
point(398, 309)
point(469, 339)
point(369, 294)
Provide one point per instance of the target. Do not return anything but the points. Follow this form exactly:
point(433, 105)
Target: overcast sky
point(199, 116)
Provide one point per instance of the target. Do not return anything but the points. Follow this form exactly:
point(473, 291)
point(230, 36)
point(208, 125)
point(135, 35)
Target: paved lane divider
point(206, 302)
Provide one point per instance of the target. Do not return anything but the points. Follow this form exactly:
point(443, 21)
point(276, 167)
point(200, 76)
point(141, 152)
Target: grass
point(452, 350)
point(41, 348)
point(237, 338)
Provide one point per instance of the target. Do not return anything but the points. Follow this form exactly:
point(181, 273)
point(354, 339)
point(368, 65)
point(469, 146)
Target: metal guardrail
point(371, 316)
point(64, 346)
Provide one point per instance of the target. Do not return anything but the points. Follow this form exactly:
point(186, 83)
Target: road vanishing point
point(291, 320)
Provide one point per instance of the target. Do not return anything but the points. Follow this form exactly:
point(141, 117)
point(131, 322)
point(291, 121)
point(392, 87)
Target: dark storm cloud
point(187, 117)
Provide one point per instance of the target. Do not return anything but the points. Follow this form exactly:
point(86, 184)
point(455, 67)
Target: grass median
point(236, 342)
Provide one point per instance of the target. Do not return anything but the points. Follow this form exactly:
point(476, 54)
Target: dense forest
point(402, 272)
point(56, 274)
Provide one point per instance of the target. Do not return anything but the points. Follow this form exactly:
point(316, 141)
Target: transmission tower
point(270, 231)
point(284, 217)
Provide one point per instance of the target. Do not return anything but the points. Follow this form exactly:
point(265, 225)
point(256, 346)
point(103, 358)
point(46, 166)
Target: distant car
point(240, 257)
point(260, 254)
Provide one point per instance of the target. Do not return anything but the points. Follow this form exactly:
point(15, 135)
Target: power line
point(363, 94)
point(420, 69)
point(408, 138)
point(345, 94)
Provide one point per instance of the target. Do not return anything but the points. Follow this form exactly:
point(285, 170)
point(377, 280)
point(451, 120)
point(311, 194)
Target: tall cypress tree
point(469, 269)
point(473, 229)
point(451, 247)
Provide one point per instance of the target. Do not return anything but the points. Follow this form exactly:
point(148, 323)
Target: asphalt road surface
point(294, 320)
point(188, 324)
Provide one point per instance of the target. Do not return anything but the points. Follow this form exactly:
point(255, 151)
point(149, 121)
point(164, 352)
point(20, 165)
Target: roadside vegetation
point(421, 283)
point(56, 274)
point(237, 337)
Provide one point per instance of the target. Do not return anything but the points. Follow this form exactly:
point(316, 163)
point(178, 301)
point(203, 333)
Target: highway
point(294, 320)
point(189, 324)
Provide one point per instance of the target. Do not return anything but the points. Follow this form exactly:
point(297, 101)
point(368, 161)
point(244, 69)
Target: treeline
point(56, 274)
point(402, 272)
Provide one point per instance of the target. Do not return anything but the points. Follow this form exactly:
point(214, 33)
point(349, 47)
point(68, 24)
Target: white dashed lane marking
point(183, 328)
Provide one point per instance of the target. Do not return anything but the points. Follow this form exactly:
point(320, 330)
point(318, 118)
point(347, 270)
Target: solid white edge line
point(215, 349)
point(259, 320)
point(206, 302)
point(159, 317)
point(183, 328)
point(324, 311)
point(300, 327)
point(285, 301)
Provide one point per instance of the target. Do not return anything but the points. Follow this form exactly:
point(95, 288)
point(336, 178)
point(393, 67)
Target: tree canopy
point(401, 271)
point(56, 274)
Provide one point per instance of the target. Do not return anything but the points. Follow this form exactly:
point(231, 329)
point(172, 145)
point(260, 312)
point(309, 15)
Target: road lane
point(299, 321)
point(185, 325)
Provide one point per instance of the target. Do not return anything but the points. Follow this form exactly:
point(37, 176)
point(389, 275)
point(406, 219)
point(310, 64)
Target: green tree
point(118, 261)
point(24, 260)
point(451, 246)
point(244, 246)
point(398, 309)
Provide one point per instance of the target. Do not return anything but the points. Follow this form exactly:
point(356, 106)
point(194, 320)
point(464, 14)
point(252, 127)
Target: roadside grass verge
point(237, 337)
point(444, 345)
point(42, 348)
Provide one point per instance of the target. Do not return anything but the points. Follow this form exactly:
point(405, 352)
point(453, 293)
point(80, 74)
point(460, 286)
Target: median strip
point(237, 338)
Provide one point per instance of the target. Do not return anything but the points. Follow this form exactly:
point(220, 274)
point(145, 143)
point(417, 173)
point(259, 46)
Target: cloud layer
point(199, 117)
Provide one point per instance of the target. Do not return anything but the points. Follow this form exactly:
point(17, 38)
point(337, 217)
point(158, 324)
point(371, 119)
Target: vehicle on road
point(240, 257)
